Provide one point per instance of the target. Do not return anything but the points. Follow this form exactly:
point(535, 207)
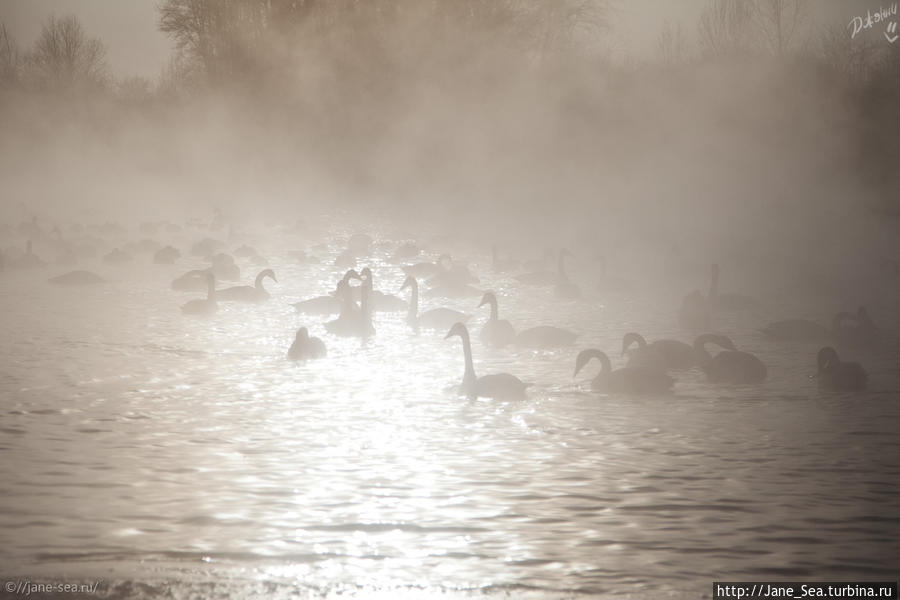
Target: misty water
point(166, 454)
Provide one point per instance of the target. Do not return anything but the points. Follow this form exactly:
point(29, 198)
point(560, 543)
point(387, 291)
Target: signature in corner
point(891, 33)
point(858, 24)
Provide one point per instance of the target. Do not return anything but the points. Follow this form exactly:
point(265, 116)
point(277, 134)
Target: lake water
point(175, 456)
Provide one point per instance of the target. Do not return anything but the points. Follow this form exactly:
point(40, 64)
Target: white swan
point(628, 380)
point(305, 347)
point(661, 354)
point(436, 318)
point(500, 386)
point(206, 306)
point(833, 374)
point(730, 365)
point(496, 332)
point(247, 293)
point(353, 321)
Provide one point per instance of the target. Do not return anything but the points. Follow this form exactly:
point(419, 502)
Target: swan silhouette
point(496, 332)
point(661, 354)
point(206, 306)
point(730, 365)
point(247, 293)
point(628, 380)
point(833, 374)
point(436, 318)
point(305, 347)
point(501, 386)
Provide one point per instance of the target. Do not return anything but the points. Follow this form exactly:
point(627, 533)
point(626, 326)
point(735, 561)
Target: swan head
point(268, 273)
point(302, 334)
point(585, 356)
point(351, 274)
point(488, 298)
point(826, 357)
point(366, 273)
point(632, 338)
point(457, 329)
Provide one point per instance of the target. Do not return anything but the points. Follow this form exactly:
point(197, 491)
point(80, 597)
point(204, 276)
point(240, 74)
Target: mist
point(579, 165)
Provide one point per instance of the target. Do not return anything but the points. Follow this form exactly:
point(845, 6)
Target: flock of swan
point(650, 365)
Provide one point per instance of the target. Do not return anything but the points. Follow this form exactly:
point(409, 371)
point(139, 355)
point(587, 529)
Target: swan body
point(833, 374)
point(305, 347)
point(496, 332)
point(192, 281)
point(545, 336)
point(661, 354)
point(730, 365)
point(166, 256)
point(247, 293)
point(206, 247)
point(627, 380)
point(379, 301)
point(206, 306)
point(436, 318)
point(500, 386)
point(77, 278)
point(353, 321)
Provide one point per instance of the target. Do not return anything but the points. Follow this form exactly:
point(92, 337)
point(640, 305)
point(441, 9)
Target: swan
point(246, 293)
point(629, 380)
point(166, 256)
point(353, 321)
point(661, 354)
point(727, 301)
point(206, 306)
point(305, 347)
point(436, 318)
point(502, 264)
point(330, 304)
point(192, 281)
point(730, 365)
point(496, 332)
point(545, 336)
point(501, 386)
point(563, 288)
point(77, 278)
point(223, 267)
point(426, 269)
point(206, 247)
point(833, 374)
point(380, 301)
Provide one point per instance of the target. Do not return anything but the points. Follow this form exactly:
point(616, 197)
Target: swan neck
point(495, 309)
point(467, 351)
point(414, 300)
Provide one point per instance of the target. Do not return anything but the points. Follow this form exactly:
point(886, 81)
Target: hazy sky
point(136, 46)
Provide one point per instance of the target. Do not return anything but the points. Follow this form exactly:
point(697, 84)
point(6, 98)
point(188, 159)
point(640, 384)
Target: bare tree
point(725, 27)
point(10, 61)
point(672, 44)
point(64, 57)
point(778, 22)
point(852, 58)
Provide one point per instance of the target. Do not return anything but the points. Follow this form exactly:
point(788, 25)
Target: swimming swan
point(206, 306)
point(305, 347)
point(247, 293)
point(729, 365)
point(436, 318)
point(501, 386)
point(661, 354)
point(628, 380)
point(496, 332)
point(833, 374)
